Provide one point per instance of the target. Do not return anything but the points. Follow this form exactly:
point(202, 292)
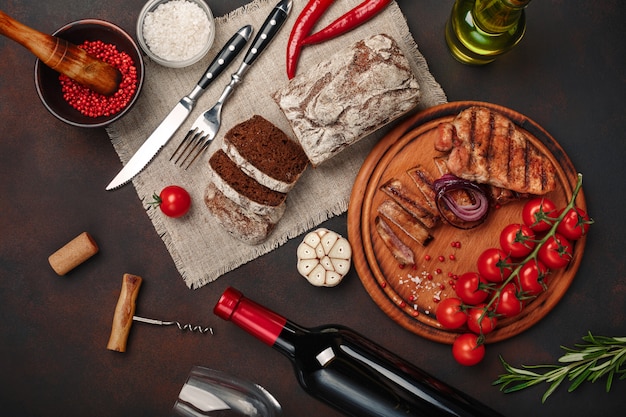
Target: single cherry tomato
point(174, 201)
point(508, 304)
point(539, 214)
point(575, 224)
point(493, 264)
point(480, 321)
point(517, 240)
point(471, 288)
point(533, 277)
point(466, 349)
point(556, 252)
point(450, 314)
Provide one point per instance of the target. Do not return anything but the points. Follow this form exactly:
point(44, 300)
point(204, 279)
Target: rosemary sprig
point(600, 356)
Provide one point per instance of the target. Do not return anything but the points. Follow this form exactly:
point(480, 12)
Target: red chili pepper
point(304, 23)
point(355, 17)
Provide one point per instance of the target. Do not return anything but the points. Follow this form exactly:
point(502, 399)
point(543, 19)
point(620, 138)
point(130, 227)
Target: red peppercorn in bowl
point(75, 104)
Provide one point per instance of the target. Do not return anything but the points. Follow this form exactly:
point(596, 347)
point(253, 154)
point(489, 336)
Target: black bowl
point(47, 80)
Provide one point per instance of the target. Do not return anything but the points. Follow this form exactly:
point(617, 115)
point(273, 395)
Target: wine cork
point(74, 253)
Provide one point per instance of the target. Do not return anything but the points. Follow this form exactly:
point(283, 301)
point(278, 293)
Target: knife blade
point(162, 134)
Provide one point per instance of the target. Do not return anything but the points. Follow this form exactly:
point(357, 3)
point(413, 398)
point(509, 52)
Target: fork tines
point(193, 144)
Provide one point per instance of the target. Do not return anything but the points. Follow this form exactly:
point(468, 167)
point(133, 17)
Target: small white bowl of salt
point(176, 33)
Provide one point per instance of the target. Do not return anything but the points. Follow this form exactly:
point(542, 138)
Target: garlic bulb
point(324, 258)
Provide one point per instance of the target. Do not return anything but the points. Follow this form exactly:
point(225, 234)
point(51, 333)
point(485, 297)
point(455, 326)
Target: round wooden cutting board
point(409, 295)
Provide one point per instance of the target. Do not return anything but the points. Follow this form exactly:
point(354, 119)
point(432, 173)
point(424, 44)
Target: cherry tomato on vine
point(469, 289)
point(538, 212)
point(556, 252)
point(466, 349)
point(575, 224)
point(533, 277)
point(450, 314)
point(517, 240)
point(174, 201)
point(493, 265)
point(481, 326)
point(508, 304)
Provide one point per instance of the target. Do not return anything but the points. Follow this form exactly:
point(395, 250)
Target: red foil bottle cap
point(254, 318)
point(227, 303)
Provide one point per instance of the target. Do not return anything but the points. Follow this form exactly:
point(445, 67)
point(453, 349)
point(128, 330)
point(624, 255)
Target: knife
point(162, 134)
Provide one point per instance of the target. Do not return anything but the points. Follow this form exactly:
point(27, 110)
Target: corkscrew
point(125, 315)
point(184, 327)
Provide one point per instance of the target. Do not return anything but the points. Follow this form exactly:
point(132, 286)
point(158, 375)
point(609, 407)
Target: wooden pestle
point(63, 57)
point(124, 312)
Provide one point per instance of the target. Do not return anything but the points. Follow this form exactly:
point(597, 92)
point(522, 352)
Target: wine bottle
point(478, 31)
point(348, 371)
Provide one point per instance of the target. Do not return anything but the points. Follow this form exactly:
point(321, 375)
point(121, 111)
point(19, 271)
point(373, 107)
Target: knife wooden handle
point(124, 312)
point(63, 57)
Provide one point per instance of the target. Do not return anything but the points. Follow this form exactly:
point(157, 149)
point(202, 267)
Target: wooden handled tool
point(64, 57)
point(125, 315)
point(124, 312)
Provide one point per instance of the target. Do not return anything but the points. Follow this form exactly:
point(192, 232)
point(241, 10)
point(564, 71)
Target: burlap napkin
point(200, 248)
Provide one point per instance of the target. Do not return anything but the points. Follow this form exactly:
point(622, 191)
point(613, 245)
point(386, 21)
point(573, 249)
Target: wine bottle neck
point(269, 327)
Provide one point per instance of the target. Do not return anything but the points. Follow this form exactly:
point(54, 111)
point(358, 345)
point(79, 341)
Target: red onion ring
point(470, 215)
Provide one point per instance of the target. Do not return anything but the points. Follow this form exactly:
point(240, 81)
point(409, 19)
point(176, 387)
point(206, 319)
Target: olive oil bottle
point(478, 31)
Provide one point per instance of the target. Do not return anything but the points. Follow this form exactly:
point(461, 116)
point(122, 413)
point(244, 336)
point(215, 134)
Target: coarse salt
point(177, 30)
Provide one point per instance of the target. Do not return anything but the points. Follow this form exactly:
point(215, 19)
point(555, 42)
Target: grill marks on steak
point(487, 148)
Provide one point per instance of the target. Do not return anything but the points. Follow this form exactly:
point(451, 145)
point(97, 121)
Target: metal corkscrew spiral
point(184, 327)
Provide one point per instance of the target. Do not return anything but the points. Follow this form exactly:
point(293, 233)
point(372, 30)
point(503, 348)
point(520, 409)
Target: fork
point(206, 126)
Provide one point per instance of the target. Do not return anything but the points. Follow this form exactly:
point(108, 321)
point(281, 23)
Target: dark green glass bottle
point(479, 31)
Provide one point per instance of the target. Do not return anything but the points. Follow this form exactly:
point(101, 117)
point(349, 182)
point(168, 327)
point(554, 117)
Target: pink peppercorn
point(92, 104)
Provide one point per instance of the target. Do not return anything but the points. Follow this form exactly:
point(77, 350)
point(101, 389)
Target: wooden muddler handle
point(63, 57)
point(124, 312)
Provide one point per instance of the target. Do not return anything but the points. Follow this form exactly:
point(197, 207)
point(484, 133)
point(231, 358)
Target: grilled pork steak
point(486, 147)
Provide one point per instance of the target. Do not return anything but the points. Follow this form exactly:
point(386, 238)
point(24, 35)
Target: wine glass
point(212, 393)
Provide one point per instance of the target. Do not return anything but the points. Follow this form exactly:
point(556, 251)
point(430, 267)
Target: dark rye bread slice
point(265, 153)
point(247, 227)
point(244, 190)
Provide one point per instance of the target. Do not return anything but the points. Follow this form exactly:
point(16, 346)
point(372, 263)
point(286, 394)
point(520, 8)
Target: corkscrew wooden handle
point(63, 56)
point(124, 312)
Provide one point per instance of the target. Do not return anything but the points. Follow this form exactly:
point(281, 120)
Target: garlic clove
point(328, 241)
point(317, 277)
point(341, 249)
point(319, 251)
point(306, 252)
point(341, 266)
point(312, 239)
point(333, 278)
point(305, 266)
point(327, 263)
